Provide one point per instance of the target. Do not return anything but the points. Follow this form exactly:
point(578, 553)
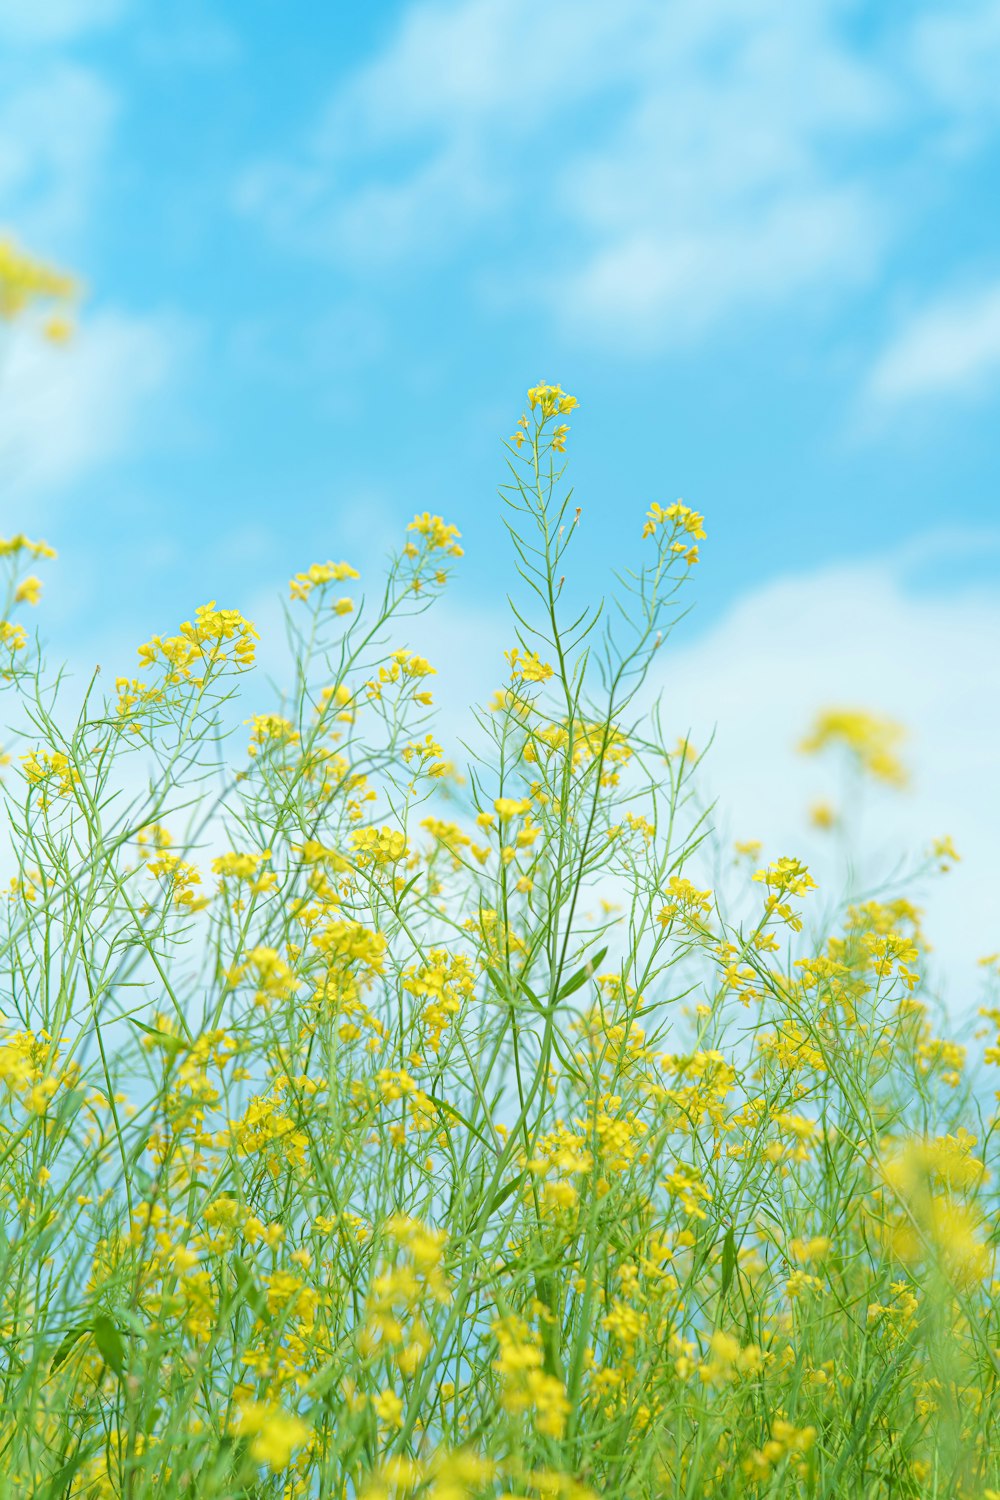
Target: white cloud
point(55, 129)
point(453, 66)
point(955, 52)
point(67, 410)
point(678, 164)
point(949, 346)
point(669, 284)
point(51, 21)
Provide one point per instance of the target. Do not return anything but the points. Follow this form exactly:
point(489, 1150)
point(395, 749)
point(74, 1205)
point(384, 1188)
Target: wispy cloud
point(68, 411)
point(55, 128)
point(666, 285)
point(951, 346)
point(955, 52)
point(646, 170)
point(56, 20)
point(71, 411)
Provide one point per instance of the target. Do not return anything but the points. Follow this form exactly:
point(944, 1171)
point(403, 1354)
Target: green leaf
point(497, 981)
point(581, 976)
point(408, 887)
point(61, 1480)
point(69, 1104)
point(163, 1039)
point(449, 1109)
point(728, 1259)
point(109, 1343)
point(502, 1194)
point(248, 1288)
point(66, 1344)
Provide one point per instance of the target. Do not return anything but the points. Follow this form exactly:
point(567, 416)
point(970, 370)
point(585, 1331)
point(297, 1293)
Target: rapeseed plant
point(359, 1160)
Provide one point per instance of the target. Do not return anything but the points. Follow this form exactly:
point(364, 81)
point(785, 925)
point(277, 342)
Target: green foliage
point(371, 1128)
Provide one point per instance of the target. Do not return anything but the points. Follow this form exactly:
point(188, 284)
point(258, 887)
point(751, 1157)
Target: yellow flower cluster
point(786, 877)
point(42, 766)
point(378, 846)
point(685, 901)
point(133, 698)
point(681, 518)
point(928, 1212)
point(786, 1443)
point(25, 280)
point(11, 546)
point(271, 731)
point(26, 590)
point(216, 638)
point(29, 1069)
point(527, 666)
point(550, 400)
point(179, 878)
point(437, 535)
point(402, 666)
point(870, 741)
point(526, 1385)
point(274, 1433)
point(546, 401)
point(319, 574)
point(13, 637)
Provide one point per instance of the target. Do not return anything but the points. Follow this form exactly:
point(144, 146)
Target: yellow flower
point(20, 543)
point(822, 815)
point(527, 666)
point(275, 1433)
point(944, 850)
point(58, 330)
point(319, 574)
point(439, 536)
point(868, 739)
point(217, 637)
point(625, 1324)
point(685, 902)
point(28, 591)
point(932, 1185)
point(550, 400)
point(512, 807)
point(39, 765)
point(815, 1249)
point(380, 846)
point(24, 280)
point(388, 1408)
point(682, 519)
point(526, 1386)
point(14, 637)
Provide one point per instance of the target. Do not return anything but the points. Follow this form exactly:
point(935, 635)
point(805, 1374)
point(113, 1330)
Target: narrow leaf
point(248, 1288)
point(581, 976)
point(162, 1038)
point(502, 1194)
point(61, 1480)
point(728, 1259)
point(109, 1343)
point(449, 1109)
point(66, 1344)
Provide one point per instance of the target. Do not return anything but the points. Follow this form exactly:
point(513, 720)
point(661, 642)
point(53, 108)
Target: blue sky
point(329, 247)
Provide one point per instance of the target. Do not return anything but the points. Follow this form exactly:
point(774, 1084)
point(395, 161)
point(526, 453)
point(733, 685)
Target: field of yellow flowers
point(454, 1131)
